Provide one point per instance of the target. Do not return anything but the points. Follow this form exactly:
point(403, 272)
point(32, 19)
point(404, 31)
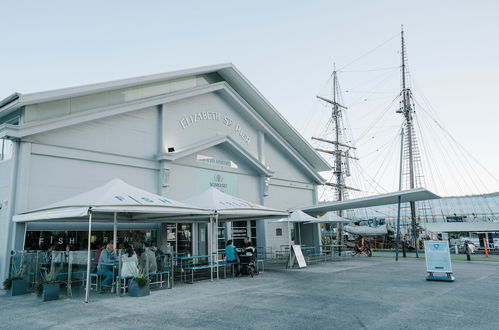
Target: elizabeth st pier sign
point(192, 119)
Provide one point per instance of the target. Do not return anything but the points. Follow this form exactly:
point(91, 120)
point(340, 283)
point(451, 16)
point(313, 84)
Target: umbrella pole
point(115, 231)
point(299, 232)
point(87, 289)
point(216, 242)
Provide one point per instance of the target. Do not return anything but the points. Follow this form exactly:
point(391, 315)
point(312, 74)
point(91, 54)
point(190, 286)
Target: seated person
point(149, 255)
point(129, 263)
point(231, 255)
point(248, 246)
point(98, 252)
point(47, 257)
point(107, 256)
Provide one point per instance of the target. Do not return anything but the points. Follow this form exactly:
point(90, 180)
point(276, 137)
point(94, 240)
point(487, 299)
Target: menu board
point(296, 254)
point(437, 256)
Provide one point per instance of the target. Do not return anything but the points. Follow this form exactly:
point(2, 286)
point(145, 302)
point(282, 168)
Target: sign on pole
point(296, 254)
point(437, 255)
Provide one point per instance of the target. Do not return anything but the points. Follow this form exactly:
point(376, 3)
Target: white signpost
point(437, 255)
point(296, 254)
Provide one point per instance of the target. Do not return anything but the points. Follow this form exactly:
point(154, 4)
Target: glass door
point(184, 238)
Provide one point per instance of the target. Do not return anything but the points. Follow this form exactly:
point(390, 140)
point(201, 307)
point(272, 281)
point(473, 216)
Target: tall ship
point(408, 223)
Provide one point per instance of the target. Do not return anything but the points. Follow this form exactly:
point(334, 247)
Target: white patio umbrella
point(230, 208)
point(330, 217)
point(107, 202)
point(298, 216)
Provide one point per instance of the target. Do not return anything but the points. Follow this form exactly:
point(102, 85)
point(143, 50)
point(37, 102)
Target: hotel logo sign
point(225, 182)
point(218, 182)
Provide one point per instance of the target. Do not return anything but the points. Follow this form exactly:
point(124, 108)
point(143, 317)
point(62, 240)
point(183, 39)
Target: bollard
point(485, 247)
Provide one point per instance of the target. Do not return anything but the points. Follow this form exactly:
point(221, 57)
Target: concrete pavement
point(361, 293)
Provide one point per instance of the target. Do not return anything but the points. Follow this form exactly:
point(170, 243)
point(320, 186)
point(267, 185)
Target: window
point(241, 229)
point(6, 148)
point(221, 235)
point(278, 231)
point(455, 219)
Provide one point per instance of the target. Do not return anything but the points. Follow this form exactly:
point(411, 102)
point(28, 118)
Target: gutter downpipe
point(13, 199)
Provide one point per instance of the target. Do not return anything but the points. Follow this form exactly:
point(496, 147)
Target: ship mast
point(340, 151)
point(407, 111)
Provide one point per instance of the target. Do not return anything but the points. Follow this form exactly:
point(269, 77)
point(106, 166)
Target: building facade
point(174, 134)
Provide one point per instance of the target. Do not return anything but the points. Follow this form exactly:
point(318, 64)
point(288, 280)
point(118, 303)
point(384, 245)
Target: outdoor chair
point(159, 278)
point(262, 262)
point(124, 281)
point(225, 264)
point(95, 281)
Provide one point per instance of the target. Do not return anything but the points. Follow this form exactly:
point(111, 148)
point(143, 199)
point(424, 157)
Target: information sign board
point(437, 256)
point(296, 254)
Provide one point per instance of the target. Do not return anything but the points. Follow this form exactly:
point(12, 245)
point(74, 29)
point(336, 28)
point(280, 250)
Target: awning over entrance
point(412, 195)
point(116, 196)
point(458, 227)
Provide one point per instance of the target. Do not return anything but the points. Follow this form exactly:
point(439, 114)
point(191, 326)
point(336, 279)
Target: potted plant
point(139, 285)
point(16, 284)
point(48, 288)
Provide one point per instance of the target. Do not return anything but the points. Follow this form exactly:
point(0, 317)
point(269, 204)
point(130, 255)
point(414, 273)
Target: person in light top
point(129, 263)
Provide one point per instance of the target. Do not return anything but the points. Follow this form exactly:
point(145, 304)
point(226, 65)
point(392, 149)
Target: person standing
point(148, 262)
point(467, 250)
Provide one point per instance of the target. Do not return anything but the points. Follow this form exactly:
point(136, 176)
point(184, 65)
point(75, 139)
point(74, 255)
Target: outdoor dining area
point(159, 270)
point(134, 268)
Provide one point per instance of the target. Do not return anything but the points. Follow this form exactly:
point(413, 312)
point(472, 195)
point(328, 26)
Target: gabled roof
point(227, 71)
point(218, 140)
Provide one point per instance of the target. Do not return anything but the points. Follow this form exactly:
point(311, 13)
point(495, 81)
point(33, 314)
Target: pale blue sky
point(286, 49)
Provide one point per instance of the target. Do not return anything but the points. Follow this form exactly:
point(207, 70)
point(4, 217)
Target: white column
point(87, 291)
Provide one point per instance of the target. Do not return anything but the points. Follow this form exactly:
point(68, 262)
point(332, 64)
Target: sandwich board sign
point(437, 255)
point(296, 254)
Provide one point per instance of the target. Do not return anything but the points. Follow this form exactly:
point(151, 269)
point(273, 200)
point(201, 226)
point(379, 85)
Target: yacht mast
point(407, 111)
point(339, 152)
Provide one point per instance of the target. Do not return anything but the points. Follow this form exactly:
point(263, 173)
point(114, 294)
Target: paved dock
point(362, 293)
